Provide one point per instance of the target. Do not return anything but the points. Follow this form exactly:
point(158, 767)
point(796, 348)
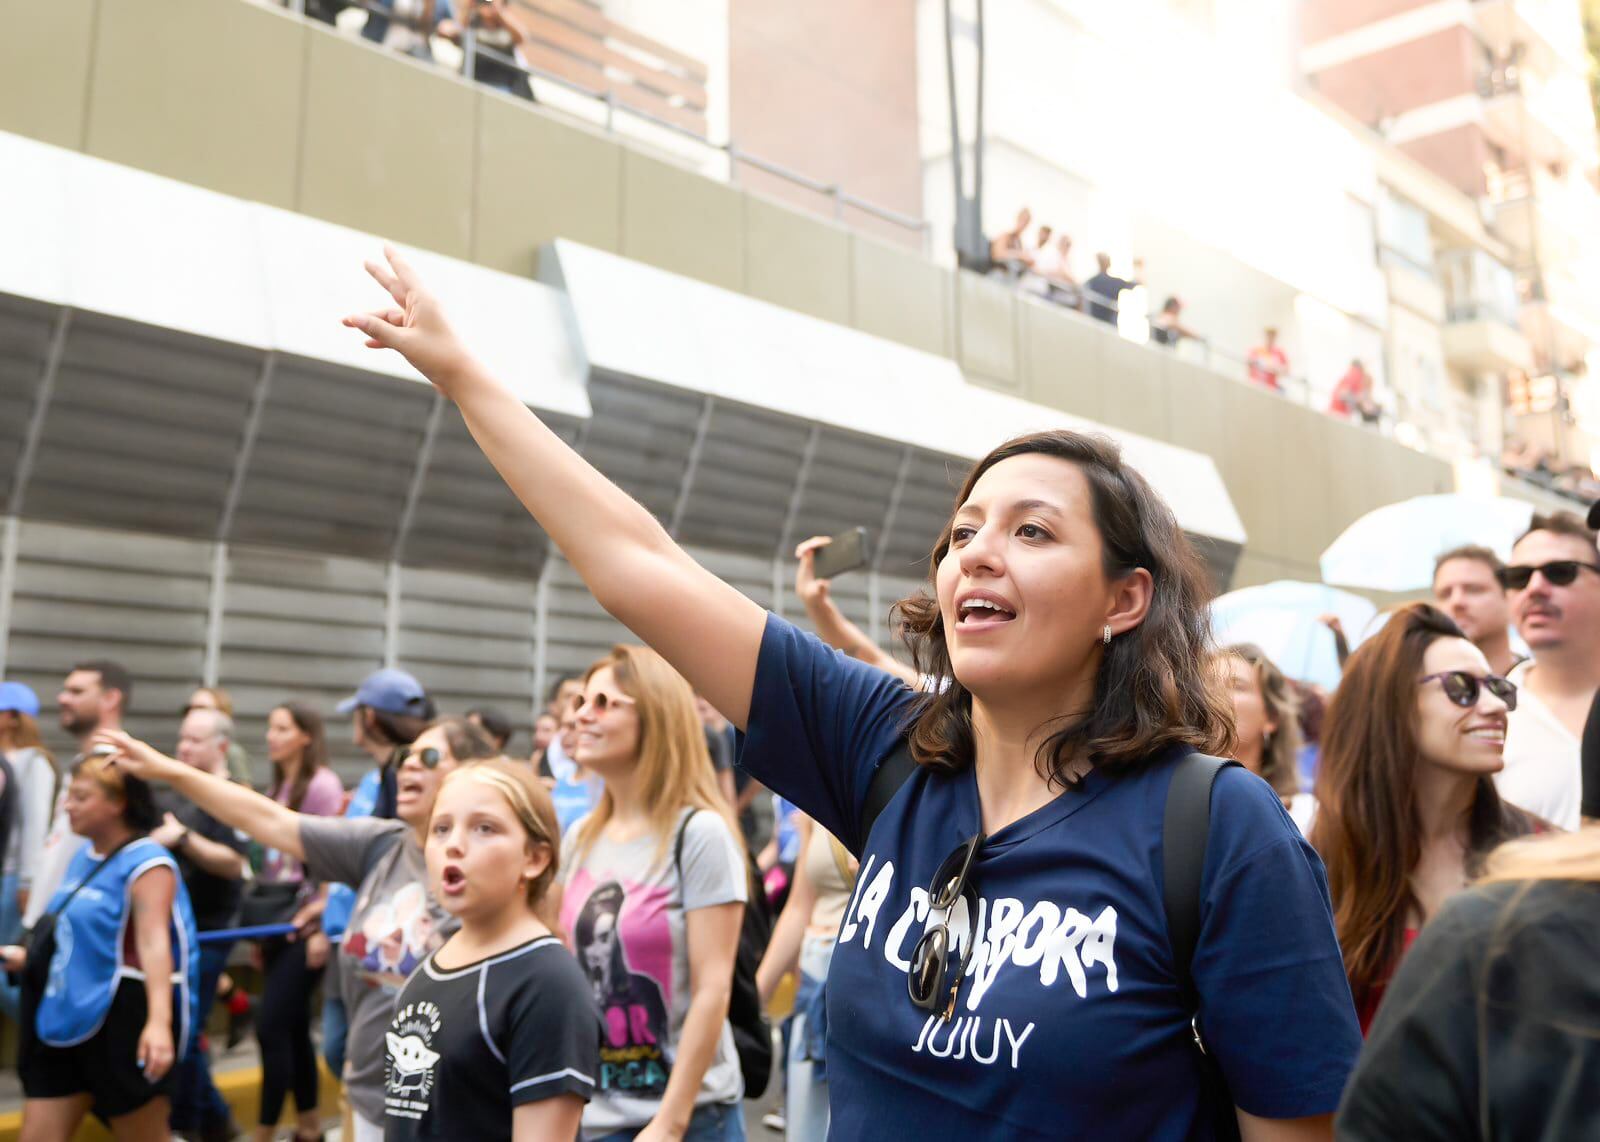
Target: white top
point(36, 791)
point(1542, 773)
point(1302, 811)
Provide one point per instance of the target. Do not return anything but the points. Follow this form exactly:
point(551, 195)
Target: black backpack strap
point(1185, 825)
point(892, 772)
point(677, 844)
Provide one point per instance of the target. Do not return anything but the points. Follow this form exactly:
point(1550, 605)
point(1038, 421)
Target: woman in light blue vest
point(105, 1022)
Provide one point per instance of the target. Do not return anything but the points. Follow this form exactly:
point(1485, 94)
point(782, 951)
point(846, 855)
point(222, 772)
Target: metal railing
point(841, 199)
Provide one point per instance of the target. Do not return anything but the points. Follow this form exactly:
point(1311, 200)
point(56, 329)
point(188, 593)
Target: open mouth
point(1495, 735)
point(408, 786)
point(978, 611)
point(452, 880)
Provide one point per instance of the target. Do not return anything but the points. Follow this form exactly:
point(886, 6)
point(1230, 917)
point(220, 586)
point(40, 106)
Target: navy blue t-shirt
point(1069, 1022)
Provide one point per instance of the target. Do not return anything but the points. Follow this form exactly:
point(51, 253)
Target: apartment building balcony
point(1550, 31)
point(1543, 218)
point(1547, 118)
point(1481, 334)
point(1561, 318)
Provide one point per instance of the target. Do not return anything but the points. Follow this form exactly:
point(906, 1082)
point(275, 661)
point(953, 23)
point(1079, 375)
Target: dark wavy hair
point(1367, 829)
point(312, 758)
point(1155, 687)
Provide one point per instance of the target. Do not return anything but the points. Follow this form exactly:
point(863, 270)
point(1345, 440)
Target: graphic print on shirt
point(1059, 943)
point(624, 944)
point(395, 936)
point(410, 1060)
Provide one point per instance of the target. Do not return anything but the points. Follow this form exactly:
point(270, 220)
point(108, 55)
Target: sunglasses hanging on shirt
point(929, 973)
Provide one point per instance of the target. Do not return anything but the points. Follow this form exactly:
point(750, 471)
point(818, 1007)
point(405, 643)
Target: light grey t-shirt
point(623, 909)
point(394, 926)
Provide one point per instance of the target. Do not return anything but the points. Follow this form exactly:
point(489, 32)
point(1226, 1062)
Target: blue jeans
point(196, 1102)
point(717, 1122)
point(335, 1027)
point(10, 933)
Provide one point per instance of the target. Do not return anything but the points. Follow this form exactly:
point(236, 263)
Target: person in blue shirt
point(1003, 969)
point(105, 1024)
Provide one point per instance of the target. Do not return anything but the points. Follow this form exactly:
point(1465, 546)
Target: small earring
point(1106, 638)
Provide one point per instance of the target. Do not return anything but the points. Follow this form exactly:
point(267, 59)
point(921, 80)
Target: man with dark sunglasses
point(1553, 584)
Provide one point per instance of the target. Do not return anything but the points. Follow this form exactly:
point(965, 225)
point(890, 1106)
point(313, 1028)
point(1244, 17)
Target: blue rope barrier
point(259, 932)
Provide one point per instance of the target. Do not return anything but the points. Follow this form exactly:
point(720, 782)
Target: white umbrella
point(1393, 548)
point(1282, 619)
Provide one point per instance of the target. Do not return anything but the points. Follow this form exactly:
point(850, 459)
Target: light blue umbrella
point(1281, 618)
point(1393, 548)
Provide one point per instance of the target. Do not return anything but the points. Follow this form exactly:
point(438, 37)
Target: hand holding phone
point(844, 552)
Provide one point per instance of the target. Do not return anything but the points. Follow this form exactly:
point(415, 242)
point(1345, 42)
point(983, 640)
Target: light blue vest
point(92, 937)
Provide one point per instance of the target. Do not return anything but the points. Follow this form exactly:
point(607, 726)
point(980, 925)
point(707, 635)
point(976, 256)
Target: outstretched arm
point(274, 825)
point(706, 629)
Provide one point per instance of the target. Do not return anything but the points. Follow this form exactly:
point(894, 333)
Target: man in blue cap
point(389, 709)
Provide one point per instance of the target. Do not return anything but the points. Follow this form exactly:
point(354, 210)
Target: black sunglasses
point(427, 757)
point(1558, 573)
point(930, 959)
point(1462, 688)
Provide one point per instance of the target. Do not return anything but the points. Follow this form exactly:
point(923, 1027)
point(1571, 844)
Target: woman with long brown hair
point(1491, 1029)
point(302, 782)
point(1407, 806)
point(655, 886)
point(1004, 966)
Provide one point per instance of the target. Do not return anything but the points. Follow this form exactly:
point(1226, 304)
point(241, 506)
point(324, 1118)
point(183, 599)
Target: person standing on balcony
point(1105, 289)
point(1063, 288)
point(1352, 396)
point(1167, 328)
point(1006, 250)
point(498, 29)
point(1268, 363)
point(1554, 586)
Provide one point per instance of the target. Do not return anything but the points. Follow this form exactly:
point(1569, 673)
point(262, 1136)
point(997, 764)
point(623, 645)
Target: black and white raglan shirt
point(469, 1045)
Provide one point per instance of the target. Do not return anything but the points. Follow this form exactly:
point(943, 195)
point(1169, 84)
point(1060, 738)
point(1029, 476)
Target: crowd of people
point(1042, 264)
point(1069, 828)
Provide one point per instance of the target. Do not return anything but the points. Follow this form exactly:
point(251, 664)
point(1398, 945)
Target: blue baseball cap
point(392, 691)
point(15, 696)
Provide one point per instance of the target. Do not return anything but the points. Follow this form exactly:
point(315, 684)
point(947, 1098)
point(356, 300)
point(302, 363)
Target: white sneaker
point(775, 1120)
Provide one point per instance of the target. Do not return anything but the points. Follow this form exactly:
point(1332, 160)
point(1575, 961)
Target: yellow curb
point(240, 1087)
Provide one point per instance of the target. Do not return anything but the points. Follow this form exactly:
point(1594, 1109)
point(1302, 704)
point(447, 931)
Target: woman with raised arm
point(1004, 965)
point(395, 922)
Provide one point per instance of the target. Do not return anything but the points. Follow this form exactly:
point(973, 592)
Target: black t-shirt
point(467, 1046)
point(215, 899)
point(1491, 1027)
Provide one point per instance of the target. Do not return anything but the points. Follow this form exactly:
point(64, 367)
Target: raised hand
point(414, 325)
point(131, 755)
point(807, 587)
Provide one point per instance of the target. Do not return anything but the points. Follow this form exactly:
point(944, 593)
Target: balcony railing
point(566, 47)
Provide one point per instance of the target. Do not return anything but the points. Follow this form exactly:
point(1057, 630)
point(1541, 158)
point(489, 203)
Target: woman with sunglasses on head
point(1003, 968)
point(394, 923)
point(655, 882)
point(1407, 806)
